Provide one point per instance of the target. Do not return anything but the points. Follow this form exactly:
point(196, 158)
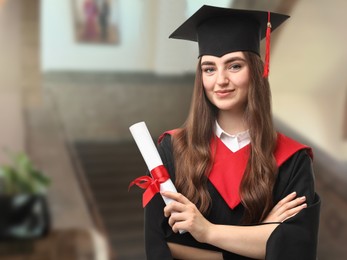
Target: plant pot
point(23, 216)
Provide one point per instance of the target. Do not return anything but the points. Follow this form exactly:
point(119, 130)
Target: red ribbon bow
point(151, 184)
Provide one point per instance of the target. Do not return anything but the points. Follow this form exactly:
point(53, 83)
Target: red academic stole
point(228, 167)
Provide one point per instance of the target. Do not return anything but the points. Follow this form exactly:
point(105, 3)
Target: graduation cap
point(219, 31)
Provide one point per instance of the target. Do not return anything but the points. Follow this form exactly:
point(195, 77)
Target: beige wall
point(11, 114)
point(308, 74)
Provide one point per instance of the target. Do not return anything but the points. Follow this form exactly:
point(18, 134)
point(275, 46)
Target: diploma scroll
point(150, 154)
point(152, 158)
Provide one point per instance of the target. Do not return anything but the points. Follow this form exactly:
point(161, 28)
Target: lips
point(224, 92)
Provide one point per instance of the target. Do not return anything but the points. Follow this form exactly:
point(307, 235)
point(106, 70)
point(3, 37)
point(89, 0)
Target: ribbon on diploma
point(151, 184)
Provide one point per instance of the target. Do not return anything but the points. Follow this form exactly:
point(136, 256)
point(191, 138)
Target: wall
point(11, 115)
point(141, 36)
point(308, 75)
point(61, 52)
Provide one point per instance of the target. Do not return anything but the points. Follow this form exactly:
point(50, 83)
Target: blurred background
point(75, 74)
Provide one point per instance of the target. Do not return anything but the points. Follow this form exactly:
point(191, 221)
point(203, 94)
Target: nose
point(222, 79)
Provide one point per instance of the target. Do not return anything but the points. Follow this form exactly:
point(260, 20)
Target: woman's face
point(226, 81)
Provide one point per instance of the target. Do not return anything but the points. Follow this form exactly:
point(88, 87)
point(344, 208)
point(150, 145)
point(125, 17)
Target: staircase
point(109, 168)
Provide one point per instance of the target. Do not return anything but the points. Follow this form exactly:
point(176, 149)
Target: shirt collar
point(218, 130)
point(242, 136)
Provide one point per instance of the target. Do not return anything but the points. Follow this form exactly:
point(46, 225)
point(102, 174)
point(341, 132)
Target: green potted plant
point(23, 206)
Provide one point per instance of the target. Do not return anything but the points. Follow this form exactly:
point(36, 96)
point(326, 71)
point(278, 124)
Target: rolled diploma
point(150, 154)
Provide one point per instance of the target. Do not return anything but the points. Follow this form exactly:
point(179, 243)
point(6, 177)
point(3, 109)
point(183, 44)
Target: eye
point(235, 67)
point(208, 70)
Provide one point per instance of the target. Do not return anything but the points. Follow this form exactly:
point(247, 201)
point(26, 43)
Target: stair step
point(109, 167)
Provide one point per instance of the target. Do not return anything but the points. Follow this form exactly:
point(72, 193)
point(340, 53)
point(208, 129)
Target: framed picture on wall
point(96, 21)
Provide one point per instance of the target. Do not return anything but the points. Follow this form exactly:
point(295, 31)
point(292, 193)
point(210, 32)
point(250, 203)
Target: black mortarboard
point(219, 31)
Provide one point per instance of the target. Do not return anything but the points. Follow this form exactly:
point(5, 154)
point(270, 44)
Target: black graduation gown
point(296, 238)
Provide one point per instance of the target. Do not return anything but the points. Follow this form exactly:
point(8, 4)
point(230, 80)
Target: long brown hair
point(192, 153)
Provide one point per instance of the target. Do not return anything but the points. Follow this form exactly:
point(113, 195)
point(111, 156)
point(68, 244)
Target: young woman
point(245, 191)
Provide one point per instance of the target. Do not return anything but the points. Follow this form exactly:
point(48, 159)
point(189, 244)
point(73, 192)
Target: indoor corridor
point(73, 122)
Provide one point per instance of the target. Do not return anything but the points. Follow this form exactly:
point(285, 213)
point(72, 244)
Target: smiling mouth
point(224, 92)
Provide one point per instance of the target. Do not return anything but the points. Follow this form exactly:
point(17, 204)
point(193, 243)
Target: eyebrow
point(206, 63)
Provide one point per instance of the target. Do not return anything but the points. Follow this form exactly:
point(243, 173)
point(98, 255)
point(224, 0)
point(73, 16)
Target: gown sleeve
point(156, 225)
point(296, 238)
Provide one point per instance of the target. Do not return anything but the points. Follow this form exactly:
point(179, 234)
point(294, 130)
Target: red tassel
point(267, 50)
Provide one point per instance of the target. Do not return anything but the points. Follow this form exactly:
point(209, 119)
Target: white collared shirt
point(233, 142)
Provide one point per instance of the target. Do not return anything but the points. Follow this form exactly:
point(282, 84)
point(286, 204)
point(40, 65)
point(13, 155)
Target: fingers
point(286, 199)
point(179, 204)
point(180, 212)
point(177, 220)
point(173, 207)
point(175, 196)
point(286, 208)
point(292, 206)
point(292, 212)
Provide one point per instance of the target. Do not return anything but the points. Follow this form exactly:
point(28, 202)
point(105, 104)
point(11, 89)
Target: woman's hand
point(286, 208)
point(184, 215)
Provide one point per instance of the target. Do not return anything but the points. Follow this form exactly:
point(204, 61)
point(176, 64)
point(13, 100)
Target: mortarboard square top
point(219, 31)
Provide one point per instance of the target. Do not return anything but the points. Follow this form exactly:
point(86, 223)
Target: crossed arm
point(248, 241)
